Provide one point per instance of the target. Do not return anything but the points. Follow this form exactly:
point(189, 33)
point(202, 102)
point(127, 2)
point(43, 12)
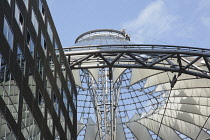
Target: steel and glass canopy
point(139, 91)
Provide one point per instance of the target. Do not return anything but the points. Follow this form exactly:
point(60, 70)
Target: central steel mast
point(104, 99)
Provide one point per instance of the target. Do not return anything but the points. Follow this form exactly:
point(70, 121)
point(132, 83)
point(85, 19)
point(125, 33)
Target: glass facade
point(35, 100)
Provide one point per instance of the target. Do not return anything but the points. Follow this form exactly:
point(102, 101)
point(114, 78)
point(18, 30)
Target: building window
point(34, 21)
point(9, 1)
point(49, 122)
point(40, 66)
point(59, 83)
point(42, 9)
point(30, 43)
point(26, 3)
point(51, 63)
point(43, 43)
point(21, 59)
point(71, 114)
point(49, 30)
point(48, 87)
point(62, 120)
point(56, 47)
point(31, 82)
point(8, 33)
point(19, 17)
point(57, 51)
point(69, 85)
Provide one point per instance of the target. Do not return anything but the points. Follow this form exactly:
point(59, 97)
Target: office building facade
point(38, 95)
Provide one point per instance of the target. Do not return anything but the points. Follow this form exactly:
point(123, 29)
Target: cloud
point(154, 20)
point(205, 21)
point(203, 4)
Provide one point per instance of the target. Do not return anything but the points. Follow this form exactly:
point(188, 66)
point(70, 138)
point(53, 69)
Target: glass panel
point(9, 1)
point(42, 9)
point(71, 114)
point(41, 103)
point(65, 100)
point(29, 128)
point(59, 83)
point(5, 131)
point(62, 120)
point(68, 134)
point(9, 90)
point(48, 87)
point(8, 33)
point(43, 43)
point(21, 59)
point(57, 137)
point(49, 30)
point(19, 17)
point(34, 21)
point(30, 43)
point(49, 122)
point(32, 83)
point(56, 48)
point(26, 3)
point(56, 104)
point(40, 66)
point(51, 63)
point(69, 85)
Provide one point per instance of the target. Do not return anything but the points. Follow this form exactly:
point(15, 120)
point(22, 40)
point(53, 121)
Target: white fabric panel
point(188, 117)
point(165, 132)
point(77, 77)
point(80, 126)
point(191, 100)
point(186, 128)
point(185, 84)
point(139, 74)
point(94, 73)
point(120, 134)
point(117, 72)
point(140, 132)
point(91, 130)
point(197, 92)
point(164, 78)
point(196, 109)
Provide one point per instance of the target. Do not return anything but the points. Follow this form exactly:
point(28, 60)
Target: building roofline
point(103, 30)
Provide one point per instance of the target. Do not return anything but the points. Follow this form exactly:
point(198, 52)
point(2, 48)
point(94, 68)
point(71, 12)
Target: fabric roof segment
point(185, 84)
point(91, 130)
point(117, 72)
point(77, 77)
point(140, 74)
point(120, 135)
point(94, 73)
point(135, 127)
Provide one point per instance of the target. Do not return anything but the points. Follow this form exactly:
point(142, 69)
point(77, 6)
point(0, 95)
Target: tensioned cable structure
point(139, 91)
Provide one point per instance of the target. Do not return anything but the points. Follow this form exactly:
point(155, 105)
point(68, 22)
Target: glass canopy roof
point(137, 103)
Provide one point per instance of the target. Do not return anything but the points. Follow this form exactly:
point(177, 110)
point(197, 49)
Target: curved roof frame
point(157, 57)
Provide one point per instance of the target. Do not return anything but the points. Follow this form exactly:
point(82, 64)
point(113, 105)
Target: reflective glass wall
point(36, 85)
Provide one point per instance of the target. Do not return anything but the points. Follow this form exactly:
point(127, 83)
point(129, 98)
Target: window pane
point(34, 21)
point(49, 30)
point(26, 3)
point(8, 33)
point(19, 17)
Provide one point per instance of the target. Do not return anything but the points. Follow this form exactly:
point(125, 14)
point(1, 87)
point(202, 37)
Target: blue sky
point(174, 22)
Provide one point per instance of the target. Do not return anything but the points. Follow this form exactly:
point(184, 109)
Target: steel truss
point(159, 57)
